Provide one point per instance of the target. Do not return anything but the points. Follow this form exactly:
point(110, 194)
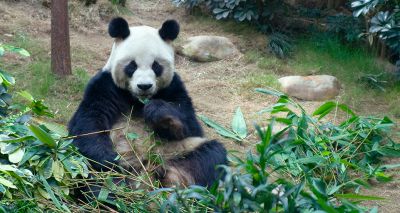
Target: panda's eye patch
point(130, 68)
point(157, 68)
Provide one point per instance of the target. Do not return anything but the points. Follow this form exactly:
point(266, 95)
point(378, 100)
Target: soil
point(215, 87)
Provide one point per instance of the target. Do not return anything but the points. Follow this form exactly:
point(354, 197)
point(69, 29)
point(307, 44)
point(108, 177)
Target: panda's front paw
point(164, 119)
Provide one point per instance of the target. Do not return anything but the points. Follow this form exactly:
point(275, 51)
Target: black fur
point(102, 105)
point(118, 28)
point(170, 112)
point(169, 30)
point(201, 163)
point(130, 69)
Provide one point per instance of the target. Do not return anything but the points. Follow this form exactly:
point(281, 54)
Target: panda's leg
point(198, 167)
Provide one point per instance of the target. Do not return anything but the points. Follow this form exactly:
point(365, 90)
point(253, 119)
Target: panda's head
point(142, 59)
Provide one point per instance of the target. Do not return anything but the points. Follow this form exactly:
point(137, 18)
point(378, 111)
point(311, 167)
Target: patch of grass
point(252, 56)
point(261, 80)
point(62, 94)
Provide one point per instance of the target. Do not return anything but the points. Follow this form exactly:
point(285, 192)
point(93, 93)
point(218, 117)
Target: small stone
point(207, 48)
point(311, 88)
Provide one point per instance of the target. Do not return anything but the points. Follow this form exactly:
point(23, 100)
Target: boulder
point(311, 88)
point(207, 48)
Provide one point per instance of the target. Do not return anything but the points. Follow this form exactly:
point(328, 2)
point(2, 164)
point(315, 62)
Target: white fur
point(144, 45)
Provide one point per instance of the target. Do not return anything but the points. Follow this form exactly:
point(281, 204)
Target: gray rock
point(311, 88)
point(207, 48)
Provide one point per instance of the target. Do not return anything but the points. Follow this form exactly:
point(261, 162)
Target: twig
point(92, 133)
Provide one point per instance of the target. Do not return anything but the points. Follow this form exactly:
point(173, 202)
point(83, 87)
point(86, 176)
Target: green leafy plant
point(280, 45)
point(375, 81)
point(248, 186)
point(36, 164)
point(383, 18)
point(343, 156)
point(6, 80)
point(238, 130)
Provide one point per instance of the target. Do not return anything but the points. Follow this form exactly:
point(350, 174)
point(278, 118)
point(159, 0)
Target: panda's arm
point(102, 104)
point(171, 114)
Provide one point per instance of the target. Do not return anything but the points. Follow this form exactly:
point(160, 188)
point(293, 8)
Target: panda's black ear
point(118, 28)
point(169, 30)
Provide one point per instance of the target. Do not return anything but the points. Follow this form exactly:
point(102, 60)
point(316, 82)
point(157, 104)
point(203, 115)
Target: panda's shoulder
point(102, 85)
point(103, 78)
point(175, 89)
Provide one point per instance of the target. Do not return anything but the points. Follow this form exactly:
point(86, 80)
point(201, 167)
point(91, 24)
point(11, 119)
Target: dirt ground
point(214, 87)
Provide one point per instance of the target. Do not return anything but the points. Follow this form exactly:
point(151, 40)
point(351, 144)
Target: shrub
point(383, 18)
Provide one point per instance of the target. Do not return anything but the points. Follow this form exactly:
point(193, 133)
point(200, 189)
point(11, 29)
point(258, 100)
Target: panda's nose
point(144, 87)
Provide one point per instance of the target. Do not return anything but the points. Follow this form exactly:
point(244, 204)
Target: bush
point(383, 18)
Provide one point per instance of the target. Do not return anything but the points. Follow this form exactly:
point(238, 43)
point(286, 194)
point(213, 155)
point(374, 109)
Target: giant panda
point(141, 67)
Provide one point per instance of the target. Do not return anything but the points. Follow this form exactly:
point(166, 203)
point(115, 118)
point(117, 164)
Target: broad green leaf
point(3, 190)
point(9, 148)
point(319, 186)
point(16, 156)
point(54, 127)
point(18, 140)
point(325, 206)
point(390, 166)
point(389, 152)
point(6, 167)
point(313, 159)
point(7, 183)
point(324, 109)
point(132, 136)
point(70, 167)
point(23, 52)
point(358, 197)
point(47, 168)
point(103, 194)
point(43, 136)
point(26, 95)
point(43, 193)
point(3, 103)
point(270, 92)
point(28, 155)
point(346, 109)
point(52, 196)
point(58, 170)
point(8, 80)
point(1, 51)
point(237, 198)
point(220, 130)
point(239, 124)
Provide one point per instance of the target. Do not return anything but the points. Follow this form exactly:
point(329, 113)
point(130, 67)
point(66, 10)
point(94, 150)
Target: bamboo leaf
point(220, 129)
point(16, 156)
point(43, 136)
point(58, 170)
point(7, 183)
point(54, 127)
point(239, 124)
point(270, 92)
point(47, 168)
point(389, 151)
point(358, 197)
point(324, 109)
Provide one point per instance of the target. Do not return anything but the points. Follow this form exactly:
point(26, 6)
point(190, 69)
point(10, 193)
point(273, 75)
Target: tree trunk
point(60, 48)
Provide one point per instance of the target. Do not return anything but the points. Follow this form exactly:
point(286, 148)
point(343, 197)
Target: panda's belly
point(146, 148)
